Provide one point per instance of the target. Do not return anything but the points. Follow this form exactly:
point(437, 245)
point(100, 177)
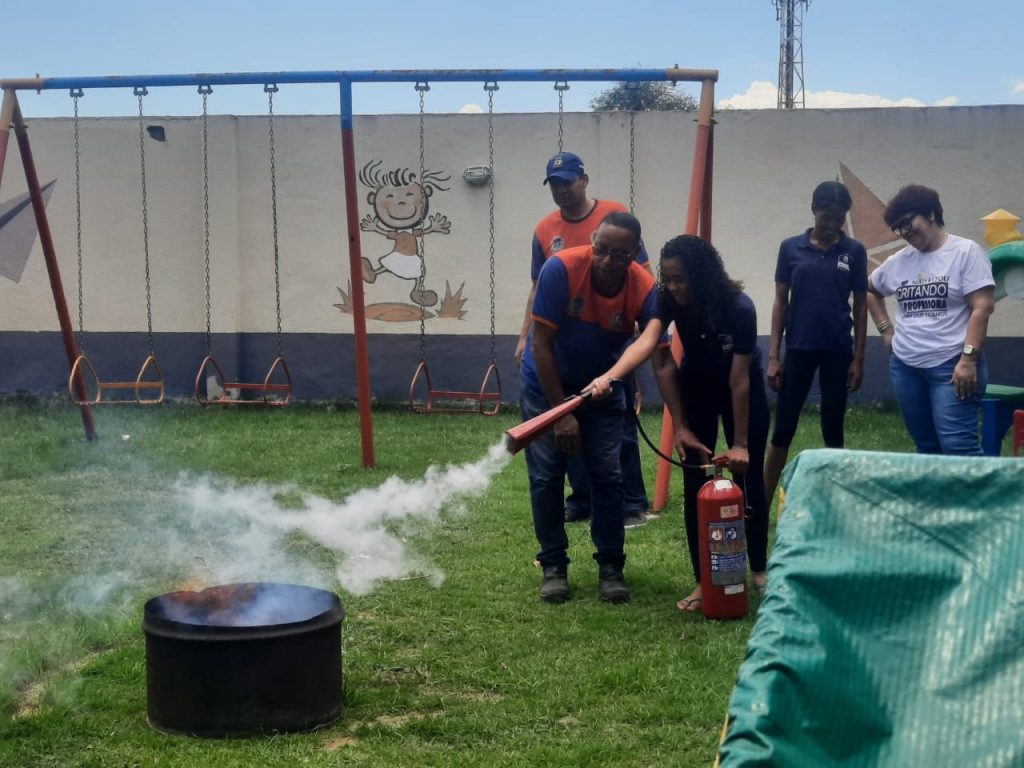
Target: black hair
point(830, 193)
point(914, 199)
point(712, 292)
point(625, 221)
point(374, 176)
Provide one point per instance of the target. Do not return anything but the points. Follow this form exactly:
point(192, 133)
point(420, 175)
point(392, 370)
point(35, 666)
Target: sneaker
point(634, 520)
point(555, 586)
point(576, 514)
point(612, 586)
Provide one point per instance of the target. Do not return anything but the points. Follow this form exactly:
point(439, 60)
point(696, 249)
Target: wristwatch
point(970, 350)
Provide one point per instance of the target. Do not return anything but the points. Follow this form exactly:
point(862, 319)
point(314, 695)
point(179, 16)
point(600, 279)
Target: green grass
point(475, 672)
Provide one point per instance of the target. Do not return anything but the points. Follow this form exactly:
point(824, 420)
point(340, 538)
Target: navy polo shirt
point(707, 351)
point(820, 284)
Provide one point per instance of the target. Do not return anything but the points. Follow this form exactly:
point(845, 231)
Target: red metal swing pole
point(6, 117)
point(355, 259)
point(10, 108)
point(698, 220)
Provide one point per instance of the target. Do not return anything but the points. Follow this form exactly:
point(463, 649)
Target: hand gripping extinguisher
point(722, 546)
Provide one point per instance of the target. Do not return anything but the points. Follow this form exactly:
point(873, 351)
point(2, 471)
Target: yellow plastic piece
point(1001, 227)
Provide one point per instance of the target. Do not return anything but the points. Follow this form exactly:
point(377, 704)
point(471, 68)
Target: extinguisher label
point(732, 510)
point(727, 547)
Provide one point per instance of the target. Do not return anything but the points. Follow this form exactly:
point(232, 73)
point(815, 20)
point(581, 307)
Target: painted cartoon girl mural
point(400, 205)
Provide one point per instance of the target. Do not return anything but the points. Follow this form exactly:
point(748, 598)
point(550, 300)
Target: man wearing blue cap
point(572, 225)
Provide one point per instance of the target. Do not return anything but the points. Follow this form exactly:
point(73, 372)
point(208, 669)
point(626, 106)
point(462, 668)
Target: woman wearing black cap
point(815, 276)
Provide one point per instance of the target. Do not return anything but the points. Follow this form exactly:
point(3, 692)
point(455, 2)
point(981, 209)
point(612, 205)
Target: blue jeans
point(601, 438)
point(938, 421)
point(633, 488)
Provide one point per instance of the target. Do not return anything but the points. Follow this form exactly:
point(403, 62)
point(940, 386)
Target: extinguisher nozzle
point(512, 445)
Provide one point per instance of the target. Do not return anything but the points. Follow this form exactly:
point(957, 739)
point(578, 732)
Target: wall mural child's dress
point(401, 205)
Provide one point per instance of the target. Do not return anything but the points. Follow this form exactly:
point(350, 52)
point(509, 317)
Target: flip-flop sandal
point(689, 604)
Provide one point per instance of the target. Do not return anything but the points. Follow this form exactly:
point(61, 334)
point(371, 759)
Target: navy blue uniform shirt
point(820, 285)
point(707, 353)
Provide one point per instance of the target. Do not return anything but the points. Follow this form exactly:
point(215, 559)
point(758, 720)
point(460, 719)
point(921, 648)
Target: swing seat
point(486, 402)
point(148, 386)
point(268, 392)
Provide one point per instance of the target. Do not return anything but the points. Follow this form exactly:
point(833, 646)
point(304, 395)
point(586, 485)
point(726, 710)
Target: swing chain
point(491, 87)
point(561, 86)
point(140, 92)
point(270, 89)
point(76, 94)
point(421, 89)
point(205, 91)
point(634, 103)
point(632, 161)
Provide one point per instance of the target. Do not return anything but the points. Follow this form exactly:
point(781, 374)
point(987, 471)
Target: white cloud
point(764, 95)
point(1018, 86)
point(760, 95)
point(470, 109)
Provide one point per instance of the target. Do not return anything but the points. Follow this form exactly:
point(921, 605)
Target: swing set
point(84, 384)
point(697, 221)
point(487, 401)
point(211, 387)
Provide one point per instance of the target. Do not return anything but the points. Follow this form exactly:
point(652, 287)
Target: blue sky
point(856, 52)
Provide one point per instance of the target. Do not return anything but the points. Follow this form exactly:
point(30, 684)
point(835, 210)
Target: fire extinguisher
point(722, 547)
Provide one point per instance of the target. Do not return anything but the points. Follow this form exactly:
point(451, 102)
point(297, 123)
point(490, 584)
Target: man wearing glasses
point(588, 301)
point(571, 225)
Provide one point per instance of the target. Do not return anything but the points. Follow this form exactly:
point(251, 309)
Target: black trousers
point(797, 374)
point(705, 405)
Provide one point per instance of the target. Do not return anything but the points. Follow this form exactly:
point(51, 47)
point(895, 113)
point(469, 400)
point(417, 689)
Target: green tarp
point(892, 632)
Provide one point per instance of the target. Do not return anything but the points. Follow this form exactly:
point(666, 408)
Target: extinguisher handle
point(590, 393)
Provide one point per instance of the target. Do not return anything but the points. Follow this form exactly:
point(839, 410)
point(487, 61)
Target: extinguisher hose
point(650, 444)
point(653, 447)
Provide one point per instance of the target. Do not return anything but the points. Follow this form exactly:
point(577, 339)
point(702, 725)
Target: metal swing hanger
point(273, 390)
point(561, 86)
point(487, 401)
point(84, 384)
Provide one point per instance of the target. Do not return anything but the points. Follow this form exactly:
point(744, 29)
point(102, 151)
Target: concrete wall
point(766, 164)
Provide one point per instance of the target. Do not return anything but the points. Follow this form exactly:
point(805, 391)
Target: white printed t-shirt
point(931, 319)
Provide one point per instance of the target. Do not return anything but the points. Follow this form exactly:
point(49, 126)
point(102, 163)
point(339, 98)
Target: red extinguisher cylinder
point(722, 548)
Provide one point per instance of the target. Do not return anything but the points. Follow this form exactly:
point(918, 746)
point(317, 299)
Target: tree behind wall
point(643, 97)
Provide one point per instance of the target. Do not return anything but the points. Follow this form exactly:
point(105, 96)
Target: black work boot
point(612, 586)
point(555, 586)
point(576, 514)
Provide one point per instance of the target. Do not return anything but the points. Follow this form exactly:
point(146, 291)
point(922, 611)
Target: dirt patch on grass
point(341, 741)
point(489, 697)
point(397, 721)
point(30, 698)
point(335, 743)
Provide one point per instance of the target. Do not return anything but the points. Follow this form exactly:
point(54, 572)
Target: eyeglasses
point(619, 257)
point(902, 227)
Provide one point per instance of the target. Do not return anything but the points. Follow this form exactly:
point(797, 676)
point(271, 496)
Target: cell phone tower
point(790, 14)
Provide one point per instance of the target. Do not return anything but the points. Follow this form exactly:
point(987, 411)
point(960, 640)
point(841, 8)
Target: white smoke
point(241, 533)
point(212, 531)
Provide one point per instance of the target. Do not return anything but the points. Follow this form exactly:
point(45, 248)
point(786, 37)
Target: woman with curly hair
point(720, 378)
point(944, 295)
